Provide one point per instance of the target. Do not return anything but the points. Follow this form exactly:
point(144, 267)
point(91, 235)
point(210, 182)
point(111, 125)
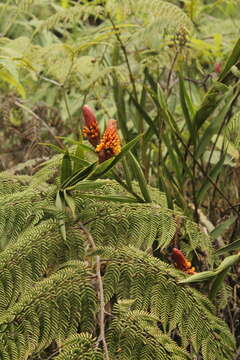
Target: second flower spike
point(181, 263)
point(110, 144)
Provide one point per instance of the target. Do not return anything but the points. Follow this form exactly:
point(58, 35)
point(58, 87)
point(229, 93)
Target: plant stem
point(171, 70)
point(206, 174)
point(101, 337)
point(125, 56)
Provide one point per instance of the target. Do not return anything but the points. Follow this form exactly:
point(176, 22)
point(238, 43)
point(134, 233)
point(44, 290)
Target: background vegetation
point(87, 259)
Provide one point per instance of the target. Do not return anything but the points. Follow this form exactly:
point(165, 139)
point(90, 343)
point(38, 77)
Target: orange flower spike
point(181, 263)
point(91, 130)
point(110, 144)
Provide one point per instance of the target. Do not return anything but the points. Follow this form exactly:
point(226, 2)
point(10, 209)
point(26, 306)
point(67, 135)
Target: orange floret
point(110, 144)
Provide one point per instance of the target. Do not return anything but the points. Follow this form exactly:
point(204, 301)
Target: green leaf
point(78, 175)
point(215, 124)
point(107, 165)
point(115, 198)
point(213, 175)
point(231, 149)
point(186, 106)
point(54, 147)
point(59, 203)
point(101, 169)
point(216, 285)
point(9, 74)
point(70, 202)
point(79, 154)
point(153, 85)
point(199, 277)
point(178, 194)
point(127, 174)
point(118, 94)
point(146, 117)
point(126, 187)
point(206, 275)
point(75, 142)
point(66, 168)
point(86, 185)
point(235, 245)
point(210, 102)
point(232, 60)
point(219, 229)
point(137, 170)
point(222, 272)
point(176, 162)
point(227, 263)
point(81, 163)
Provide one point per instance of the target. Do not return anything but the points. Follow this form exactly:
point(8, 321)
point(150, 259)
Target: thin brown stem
point(206, 174)
point(125, 56)
point(171, 70)
point(101, 337)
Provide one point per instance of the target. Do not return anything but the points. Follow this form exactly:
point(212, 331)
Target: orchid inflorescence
point(181, 263)
point(107, 146)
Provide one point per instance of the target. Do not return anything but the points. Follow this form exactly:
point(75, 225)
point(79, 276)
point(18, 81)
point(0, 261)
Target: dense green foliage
point(87, 267)
point(37, 310)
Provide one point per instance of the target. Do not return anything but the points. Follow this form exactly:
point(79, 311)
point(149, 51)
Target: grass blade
point(137, 170)
point(59, 203)
point(235, 245)
point(78, 175)
point(219, 230)
point(66, 167)
point(232, 60)
point(213, 175)
point(114, 198)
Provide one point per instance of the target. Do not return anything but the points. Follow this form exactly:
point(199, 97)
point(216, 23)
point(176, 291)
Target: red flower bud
point(217, 68)
point(91, 130)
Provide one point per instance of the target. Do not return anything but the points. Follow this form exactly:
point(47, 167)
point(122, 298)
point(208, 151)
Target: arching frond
point(79, 346)
point(49, 311)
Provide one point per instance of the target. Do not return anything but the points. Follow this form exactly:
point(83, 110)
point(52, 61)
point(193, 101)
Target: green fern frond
point(17, 211)
point(10, 184)
point(153, 285)
point(135, 335)
point(31, 305)
point(36, 253)
point(79, 346)
point(137, 224)
point(170, 16)
point(48, 312)
point(73, 14)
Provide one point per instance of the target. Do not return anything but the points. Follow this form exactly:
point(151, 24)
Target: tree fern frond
point(137, 224)
point(152, 17)
point(48, 312)
point(153, 285)
point(16, 212)
point(79, 346)
point(146, 13)
point(36, 253)
point(36, 312)
point(10, 184)
point(73, 14)
point(142, 338)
